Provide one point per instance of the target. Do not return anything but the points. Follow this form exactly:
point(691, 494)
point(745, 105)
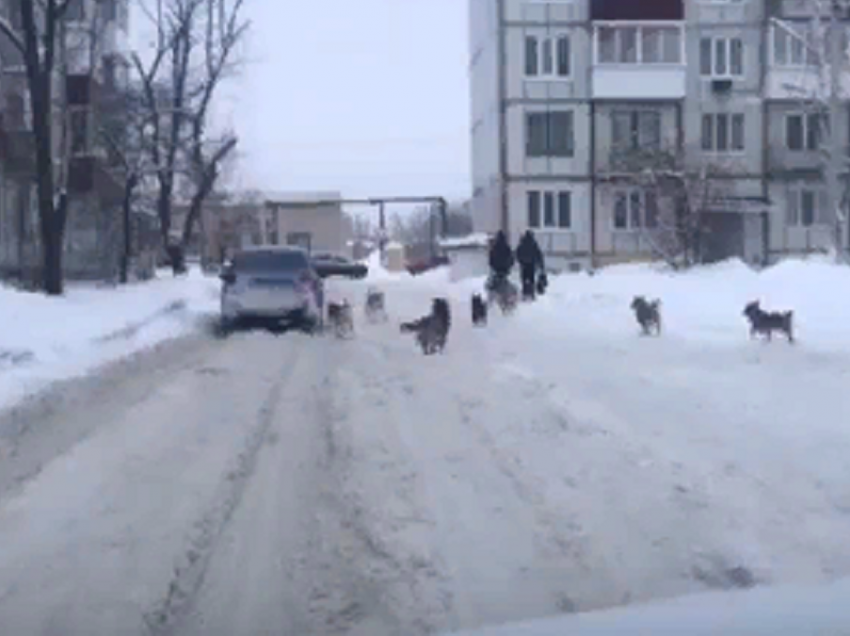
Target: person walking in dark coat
point(530, 258)
point(501, 258)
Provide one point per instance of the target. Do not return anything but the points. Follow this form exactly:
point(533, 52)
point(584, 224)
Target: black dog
point(340, 318)
point(763, 322)
point(479, 311)
point(432, 330)
point(648, 314)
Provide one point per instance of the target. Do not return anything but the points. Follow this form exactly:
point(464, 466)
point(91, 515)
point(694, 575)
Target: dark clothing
point(528, 282)
point(501, 256)
point(530, 258)
point(528, 252)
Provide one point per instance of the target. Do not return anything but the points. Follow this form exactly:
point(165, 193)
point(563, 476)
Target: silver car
point(272, 285)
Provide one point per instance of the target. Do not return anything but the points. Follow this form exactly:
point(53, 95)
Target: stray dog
point(432, 330)
point(340, 319)
point(504, 293)
point(648, 314)
point(763, 322)
point(479, 311)
point(375, 308)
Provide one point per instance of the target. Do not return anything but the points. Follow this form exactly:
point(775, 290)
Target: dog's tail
point(408, 327)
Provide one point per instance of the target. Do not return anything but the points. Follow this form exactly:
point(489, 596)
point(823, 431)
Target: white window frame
point(555, 193)
point(794, 215)
point(804, 116)
point(715, 134)
point(713, 75)
point(630, 215)
point(554, 40)
point(809, 58)
point(639, 27)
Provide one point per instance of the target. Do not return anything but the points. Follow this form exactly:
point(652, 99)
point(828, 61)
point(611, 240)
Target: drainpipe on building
point(592, 161)
point(503, 119)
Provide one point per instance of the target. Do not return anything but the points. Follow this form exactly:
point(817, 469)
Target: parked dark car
point(420, 267)
point(328, 264)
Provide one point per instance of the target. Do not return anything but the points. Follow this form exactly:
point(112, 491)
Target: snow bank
point(800, 611)
point(44, 339)
point(705, 304)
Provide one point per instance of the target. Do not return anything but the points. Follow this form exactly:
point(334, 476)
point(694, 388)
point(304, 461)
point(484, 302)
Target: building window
point(805, 131)
point(550, 210)
point(634, 129)
point(638, 45)
point(547, 56)
point(635, 210)
point(75, 11)
point(723, 132)
point(807, 207)
point(721, 57)
point(550, 134)
point(793, 49)
point(79, 125)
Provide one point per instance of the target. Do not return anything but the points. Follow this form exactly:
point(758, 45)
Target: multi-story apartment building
point(581, 107)
point(91, 66)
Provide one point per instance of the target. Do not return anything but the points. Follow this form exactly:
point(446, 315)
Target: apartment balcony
point(795, 69)
point(639, 60)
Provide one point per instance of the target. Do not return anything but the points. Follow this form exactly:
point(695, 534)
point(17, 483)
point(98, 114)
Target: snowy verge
point(46, 339)
point(784, 610)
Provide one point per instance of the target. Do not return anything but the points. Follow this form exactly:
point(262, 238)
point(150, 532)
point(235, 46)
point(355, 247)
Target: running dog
point(375, 307)
point(479, 311)
point(340, 318)
point(432, 330)
point(648, 314)
point(765, 323)
point(503, 293)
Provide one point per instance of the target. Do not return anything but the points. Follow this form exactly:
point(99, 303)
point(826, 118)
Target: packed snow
point(555, 463)
point(44, 339)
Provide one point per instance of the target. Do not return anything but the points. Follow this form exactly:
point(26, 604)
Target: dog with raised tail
point(340, 318)
point(479, 311)
point(765, 323)
point(432, 330)
point(648, 314)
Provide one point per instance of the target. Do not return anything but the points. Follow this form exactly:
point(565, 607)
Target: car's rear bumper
point(237, 308)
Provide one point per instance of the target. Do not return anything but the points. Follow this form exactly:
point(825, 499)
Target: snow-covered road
point(297, 485)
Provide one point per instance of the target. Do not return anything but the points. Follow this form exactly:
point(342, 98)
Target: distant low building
point(313, 220)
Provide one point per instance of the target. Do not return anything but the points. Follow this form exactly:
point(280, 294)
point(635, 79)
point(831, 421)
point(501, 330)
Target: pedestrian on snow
point(530, 258)
point(501, 258)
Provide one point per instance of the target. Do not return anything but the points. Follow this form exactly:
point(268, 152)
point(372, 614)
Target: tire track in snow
point(189, 572)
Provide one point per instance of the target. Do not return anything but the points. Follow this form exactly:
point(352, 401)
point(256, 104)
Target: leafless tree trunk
point(225, 28)
point(38, 42)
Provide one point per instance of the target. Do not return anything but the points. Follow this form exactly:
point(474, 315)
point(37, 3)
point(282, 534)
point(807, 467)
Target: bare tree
point(683, 197)
point(224, 30)
point(123, 129)
point(822, 87)
point(39, 43)
point(194, 51)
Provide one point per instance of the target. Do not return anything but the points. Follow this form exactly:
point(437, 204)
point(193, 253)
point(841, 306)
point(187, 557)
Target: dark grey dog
point(765, 323)
point(648, 314)
point(432, 330)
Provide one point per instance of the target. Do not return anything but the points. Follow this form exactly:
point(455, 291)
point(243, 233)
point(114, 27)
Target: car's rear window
point(270, 261)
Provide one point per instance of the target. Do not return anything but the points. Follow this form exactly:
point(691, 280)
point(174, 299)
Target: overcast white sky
point(369, 97)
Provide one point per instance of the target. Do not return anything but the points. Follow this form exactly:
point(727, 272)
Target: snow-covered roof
point(469, 241)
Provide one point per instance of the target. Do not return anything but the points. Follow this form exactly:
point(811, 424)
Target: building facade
point(313, 220)
point(91, 69)
point(584, 112)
